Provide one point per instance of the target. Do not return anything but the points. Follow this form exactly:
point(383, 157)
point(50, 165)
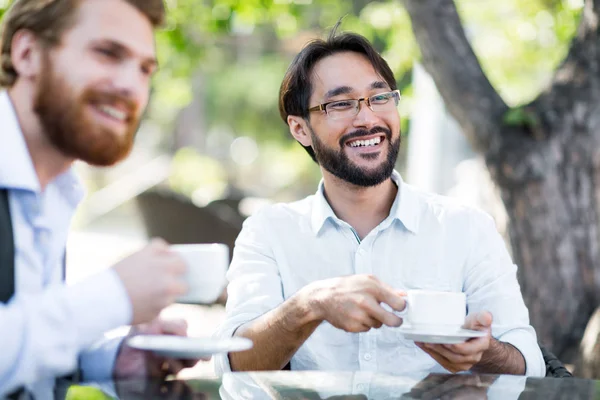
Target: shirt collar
point(406, 207)
point(16, 166)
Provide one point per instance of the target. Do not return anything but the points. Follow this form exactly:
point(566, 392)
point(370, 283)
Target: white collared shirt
point(427, 242)
point(47, 327)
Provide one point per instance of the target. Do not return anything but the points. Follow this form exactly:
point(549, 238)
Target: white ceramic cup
point(434, 309)
point(206, 268)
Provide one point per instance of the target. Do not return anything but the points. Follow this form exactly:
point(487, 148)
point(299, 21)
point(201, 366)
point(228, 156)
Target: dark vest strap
point(7, 250)
point(7, 264)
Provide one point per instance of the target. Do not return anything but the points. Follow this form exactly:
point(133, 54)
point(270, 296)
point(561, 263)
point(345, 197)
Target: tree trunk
point(553, 231)
point(546, 164)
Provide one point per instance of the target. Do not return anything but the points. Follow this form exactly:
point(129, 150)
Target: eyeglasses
point(340, 109)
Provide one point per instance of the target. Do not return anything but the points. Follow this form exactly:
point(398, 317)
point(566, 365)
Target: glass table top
point(329, 385)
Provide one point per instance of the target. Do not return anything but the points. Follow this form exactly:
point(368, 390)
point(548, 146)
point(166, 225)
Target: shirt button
point(360, 386)
point(367, 357)
point(361, 252)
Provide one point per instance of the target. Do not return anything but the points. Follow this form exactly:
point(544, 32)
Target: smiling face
point(92, 88)
point(361, 149)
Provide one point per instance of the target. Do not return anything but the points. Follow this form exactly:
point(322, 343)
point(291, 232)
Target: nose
point(365, 117)
point(131, 83)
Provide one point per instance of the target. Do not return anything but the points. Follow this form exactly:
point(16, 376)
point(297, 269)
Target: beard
point(338, 163)
point(62, 114)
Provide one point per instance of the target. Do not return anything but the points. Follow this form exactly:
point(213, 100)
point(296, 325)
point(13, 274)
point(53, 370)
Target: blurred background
point(212, 147)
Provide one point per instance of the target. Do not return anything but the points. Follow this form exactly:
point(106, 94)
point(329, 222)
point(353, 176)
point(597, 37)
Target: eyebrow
point(147, 60)
point(380, 85)
point(347, 89)
point(337, 91)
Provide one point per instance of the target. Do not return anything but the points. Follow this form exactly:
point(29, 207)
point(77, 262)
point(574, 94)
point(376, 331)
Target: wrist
point(307, 304)
point(501, 358)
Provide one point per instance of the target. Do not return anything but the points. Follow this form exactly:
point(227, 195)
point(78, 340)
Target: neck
point(48, 161)
point(362, 207)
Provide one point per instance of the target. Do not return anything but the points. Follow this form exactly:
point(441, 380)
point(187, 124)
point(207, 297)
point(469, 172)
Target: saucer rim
point(461, 332)
point(211, 346)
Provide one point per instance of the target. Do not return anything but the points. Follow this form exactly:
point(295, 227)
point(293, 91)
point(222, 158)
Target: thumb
point(176, 327)
point(478, 321)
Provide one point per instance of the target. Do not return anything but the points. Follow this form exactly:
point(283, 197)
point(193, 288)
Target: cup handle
point(403, 312)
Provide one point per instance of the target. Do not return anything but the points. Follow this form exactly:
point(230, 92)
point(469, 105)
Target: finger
point(449, 365)
point(375, 323)
point(454, 358)
point(176, 264)
point(150, 328)
point(176, 288)
point(378, 313)
point(158, 244)
point(354, 326)
point(481, 320)
point(359, 327)
point(391, 297)
point(476, 345)
point(436, 356)
point(176, 327)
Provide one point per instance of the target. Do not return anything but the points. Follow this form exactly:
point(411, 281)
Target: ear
point(299, 130)
point(26, 54)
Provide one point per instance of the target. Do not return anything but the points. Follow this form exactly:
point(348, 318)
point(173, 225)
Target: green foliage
point(520, 116)
point(85, 393)
point(520, 43)
point(232, 54)
point(191, 171)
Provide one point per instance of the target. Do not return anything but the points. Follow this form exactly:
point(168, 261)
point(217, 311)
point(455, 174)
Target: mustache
point(364, 132)
point(99, 97)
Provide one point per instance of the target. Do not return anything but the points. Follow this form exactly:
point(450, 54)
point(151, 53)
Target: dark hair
point(296, 88)
point(48, 20)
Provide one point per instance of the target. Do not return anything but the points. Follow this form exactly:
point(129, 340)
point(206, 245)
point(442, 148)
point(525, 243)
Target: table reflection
point(327, 385)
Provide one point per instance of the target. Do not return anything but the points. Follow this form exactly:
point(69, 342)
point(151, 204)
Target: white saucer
point(439, 335)
point(181, 347)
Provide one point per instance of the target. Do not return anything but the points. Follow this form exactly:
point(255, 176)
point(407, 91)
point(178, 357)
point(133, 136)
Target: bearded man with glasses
point(315, 283)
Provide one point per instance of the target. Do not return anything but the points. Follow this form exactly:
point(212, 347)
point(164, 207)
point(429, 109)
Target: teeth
point(113, 112)
point(365, 143)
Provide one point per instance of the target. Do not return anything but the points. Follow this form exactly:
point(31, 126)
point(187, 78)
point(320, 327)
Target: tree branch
point(449, 58)
point(578, 77)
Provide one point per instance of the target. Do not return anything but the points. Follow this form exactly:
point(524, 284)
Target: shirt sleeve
point(491, 285)
point(97, 363)
point(255, 285)
point(43, 334)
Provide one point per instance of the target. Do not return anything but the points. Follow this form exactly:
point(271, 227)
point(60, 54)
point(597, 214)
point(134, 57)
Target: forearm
point(501, 358)
point(277, 335)
point(48, 330)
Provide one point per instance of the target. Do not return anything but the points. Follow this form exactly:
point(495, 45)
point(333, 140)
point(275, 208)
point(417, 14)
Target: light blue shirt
point(48, 329)
point(427, 242)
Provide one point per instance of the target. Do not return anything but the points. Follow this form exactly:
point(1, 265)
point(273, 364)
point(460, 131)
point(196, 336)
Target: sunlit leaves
point(520, 43)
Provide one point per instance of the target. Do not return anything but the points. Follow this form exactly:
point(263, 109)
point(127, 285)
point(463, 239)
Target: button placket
point(361, 383)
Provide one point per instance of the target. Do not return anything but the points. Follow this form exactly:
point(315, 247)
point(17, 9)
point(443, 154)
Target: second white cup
point(206, 268)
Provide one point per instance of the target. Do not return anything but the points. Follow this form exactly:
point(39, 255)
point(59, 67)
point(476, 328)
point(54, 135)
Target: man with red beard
point(77, 75)
point(315, 283)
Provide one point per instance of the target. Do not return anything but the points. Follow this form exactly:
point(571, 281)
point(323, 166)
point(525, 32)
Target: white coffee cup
point(429, 309)
point(206, 268)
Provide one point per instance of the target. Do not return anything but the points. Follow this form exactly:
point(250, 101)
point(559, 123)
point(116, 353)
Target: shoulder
point(447, 209)
point(280, 212)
